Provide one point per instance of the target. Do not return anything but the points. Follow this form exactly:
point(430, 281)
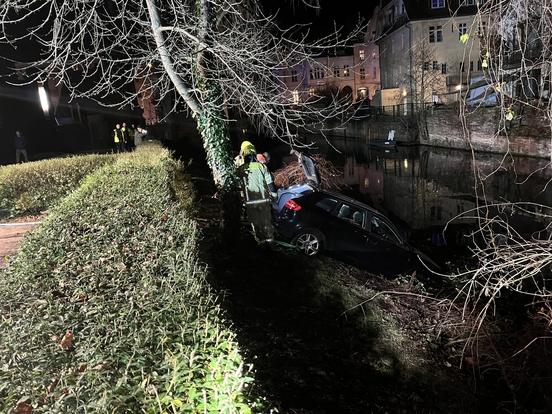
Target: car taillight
point(292, 205)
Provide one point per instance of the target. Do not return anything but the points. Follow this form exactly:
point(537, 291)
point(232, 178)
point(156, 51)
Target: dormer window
point(437, 4)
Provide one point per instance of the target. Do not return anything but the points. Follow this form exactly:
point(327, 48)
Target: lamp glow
point(43, 99)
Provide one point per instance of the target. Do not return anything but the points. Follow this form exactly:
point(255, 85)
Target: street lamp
point(43, 99)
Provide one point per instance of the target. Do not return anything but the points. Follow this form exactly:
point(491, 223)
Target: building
point(429, 49)
point(352, 74)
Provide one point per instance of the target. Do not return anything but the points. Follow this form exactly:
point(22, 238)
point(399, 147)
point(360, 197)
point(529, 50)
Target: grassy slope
point(116, 265)
point(32, 187)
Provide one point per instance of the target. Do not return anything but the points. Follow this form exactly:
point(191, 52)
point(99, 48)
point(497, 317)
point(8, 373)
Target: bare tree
point(212, 57)
point(516, 56)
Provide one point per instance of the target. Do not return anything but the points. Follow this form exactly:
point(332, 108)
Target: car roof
point(350, 200)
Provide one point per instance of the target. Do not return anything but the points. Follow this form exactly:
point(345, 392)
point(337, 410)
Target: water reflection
point(425, 187)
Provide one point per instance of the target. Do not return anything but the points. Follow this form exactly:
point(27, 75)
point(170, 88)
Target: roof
point(422, 10)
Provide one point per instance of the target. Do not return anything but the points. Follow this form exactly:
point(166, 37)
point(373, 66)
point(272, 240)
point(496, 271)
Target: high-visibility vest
point(116, 135)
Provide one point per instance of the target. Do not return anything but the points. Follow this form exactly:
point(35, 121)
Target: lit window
point(437, 4)
point(361, 54)
point(346, 71)
point(311, 91)
point(294, 75)
point(295, 97)
point(362, 73)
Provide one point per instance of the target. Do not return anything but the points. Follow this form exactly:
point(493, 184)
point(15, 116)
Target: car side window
point(326, 204)
point(382, 229)
point(350, 214)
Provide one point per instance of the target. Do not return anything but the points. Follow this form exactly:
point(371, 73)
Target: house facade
point(351, 74)
point(429, 49)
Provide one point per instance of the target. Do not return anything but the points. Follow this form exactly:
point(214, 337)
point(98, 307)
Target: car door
point(386, 250)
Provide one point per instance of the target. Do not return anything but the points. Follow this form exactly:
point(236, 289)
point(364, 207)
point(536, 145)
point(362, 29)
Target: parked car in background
point(316, 220)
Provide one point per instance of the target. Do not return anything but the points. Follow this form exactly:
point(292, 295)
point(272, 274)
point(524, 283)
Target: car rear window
point(326, 204)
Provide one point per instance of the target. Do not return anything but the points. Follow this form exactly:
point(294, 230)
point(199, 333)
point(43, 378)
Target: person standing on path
point(20, 147)
point(126, 137)
point(139, 135)
point(118, 139)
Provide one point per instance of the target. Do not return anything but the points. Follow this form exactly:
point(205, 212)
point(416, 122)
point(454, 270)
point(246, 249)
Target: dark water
point(422, 189)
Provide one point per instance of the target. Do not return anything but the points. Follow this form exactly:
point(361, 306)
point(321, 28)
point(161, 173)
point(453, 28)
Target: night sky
point(344, 14)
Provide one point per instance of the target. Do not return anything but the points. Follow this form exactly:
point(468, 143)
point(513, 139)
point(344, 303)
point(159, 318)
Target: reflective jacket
point(256, 180)
point(117, 135)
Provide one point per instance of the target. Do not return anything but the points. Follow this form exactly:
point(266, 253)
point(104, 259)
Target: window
point(317, 73)
point(351, 214)
point(462, 29)
point(437, 4)
point(462, 68)
point(479, 65)
point(346, 71)
point(383, 230)
point(374, 73)
point(435, 34)
point(337, 72)
point(471, 65)
point(435, 65)
point(295, 97)
point(444, 68)
point(326, 204)
point(426, 66)
point(362, 73)
point(482, 30)
point(311, 91)
point(294, 75)
point(361, 53)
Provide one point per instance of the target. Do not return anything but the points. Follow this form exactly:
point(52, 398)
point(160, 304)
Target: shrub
point(106, 308)
point(35, 186)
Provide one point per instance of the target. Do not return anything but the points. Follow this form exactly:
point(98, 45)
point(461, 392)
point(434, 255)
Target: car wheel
point(310, 242)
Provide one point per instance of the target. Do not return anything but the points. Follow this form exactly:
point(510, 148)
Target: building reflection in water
point(425, 187)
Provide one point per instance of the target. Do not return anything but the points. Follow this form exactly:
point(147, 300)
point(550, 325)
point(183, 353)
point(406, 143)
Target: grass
point(33, 187)
point(106, 308)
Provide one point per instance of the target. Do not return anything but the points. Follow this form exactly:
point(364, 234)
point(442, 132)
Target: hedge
point(33, 187)
point(106, 308)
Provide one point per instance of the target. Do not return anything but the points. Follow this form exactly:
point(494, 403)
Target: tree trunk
point(216, 142)
point(210, 123)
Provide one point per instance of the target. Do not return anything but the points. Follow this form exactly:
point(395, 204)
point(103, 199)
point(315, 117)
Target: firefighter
point(258, 188)
point(118, 138)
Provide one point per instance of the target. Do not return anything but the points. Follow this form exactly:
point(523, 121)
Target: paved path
point(11, 235)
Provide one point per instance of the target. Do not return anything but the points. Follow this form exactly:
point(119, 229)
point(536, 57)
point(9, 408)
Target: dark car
point(328, 221)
